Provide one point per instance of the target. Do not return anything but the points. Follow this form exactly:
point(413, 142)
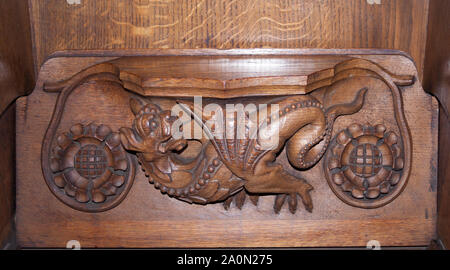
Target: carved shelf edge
point(252, 86)
point(91, 167)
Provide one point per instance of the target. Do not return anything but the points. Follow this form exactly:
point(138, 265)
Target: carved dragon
point(224, 167)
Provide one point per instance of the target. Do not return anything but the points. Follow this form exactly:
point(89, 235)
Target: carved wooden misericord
point(90, 166)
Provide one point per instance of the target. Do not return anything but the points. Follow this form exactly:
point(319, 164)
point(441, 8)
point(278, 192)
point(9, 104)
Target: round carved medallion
point(364, 165)
point(91, 170)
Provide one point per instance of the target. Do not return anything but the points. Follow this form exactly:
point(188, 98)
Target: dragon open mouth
point(169, 144)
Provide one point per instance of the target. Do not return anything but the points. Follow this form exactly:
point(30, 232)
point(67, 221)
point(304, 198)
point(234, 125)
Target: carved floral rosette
point(91, 170)
point(364, 165)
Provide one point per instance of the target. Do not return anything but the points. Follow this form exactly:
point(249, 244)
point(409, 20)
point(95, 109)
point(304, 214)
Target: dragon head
point(151, 133)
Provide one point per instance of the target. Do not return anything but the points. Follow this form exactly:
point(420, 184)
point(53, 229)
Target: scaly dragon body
point(224, 166)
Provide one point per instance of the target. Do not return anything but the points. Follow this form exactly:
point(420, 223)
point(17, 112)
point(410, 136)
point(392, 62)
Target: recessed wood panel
point(140, 24)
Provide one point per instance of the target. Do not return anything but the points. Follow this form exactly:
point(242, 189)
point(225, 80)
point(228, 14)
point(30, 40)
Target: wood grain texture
point(135, 24)
point(437, 60)
point(16, 59)
point(229, 233)
point(146, 218)
point(16, 79)
point(437, 82)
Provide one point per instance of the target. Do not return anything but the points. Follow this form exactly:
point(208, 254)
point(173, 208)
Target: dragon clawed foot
point(280, 199)
point(239, 200)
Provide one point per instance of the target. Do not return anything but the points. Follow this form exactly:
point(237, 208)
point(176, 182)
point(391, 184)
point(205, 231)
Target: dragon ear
point(136, 105)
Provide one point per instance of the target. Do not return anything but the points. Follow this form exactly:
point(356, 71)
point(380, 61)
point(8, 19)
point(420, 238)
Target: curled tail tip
point(349, 108)
point(363, 91)
point(359, 100)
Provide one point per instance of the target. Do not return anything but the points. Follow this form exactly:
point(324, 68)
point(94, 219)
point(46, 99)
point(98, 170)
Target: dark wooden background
point(32, 30)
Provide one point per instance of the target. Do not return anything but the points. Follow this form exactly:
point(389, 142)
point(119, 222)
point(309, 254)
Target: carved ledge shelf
point(351, 154)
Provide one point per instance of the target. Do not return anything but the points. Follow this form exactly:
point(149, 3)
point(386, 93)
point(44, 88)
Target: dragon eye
point(146, 126)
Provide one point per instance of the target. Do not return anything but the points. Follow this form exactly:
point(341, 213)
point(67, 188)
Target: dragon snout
point(129, 139)
point(172, 145)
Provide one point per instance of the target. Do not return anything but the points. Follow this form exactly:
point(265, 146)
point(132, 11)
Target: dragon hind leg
point(271, 178)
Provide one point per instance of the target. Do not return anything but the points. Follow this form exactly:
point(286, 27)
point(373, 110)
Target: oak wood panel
point(229, 233)
point(16, 59)
point(437, 61)
point(147, 218)
point(16, 78)
point(134, 24)
point(437, 82)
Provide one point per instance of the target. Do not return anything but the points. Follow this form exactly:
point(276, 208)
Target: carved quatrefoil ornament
point(364, 166)
point(91, 170)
